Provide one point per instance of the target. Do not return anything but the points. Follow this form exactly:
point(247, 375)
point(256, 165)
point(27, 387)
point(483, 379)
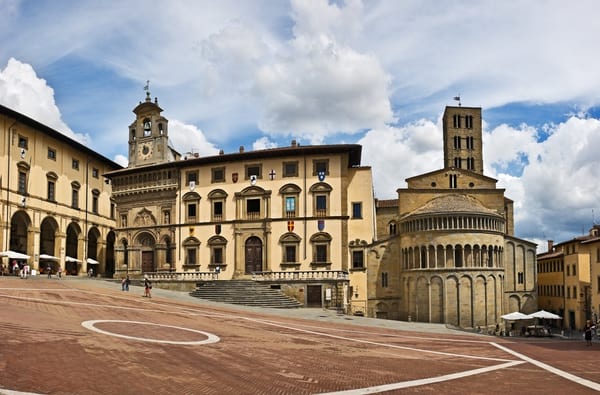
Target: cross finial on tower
point(147, 89)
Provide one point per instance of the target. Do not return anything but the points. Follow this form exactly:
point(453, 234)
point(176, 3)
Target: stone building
point(448, 254)
point(569, 279)
point(300, 217)
point(55, 206)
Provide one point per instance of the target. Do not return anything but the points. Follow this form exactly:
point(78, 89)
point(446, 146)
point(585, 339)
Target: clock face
point(145, 151)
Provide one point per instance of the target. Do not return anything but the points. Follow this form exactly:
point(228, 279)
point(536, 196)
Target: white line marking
point(415, 383)
point(551, 369)
point(210, 337)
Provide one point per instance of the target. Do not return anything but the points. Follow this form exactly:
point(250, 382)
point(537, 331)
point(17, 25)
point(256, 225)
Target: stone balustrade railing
point(299, 275)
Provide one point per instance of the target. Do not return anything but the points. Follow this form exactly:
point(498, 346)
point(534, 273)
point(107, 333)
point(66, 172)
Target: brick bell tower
point(463, 138)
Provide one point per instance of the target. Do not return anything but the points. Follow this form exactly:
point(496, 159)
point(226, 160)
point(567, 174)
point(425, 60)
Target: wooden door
point(253, 255)
point(313, 296)
point(147, 261)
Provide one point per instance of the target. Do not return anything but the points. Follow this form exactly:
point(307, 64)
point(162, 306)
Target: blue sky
point(261, 73)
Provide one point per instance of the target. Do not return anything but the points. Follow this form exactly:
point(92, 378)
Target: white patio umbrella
point(92, 261)
point(71, 259)
point(515, 316)
point(48, 257)
point(545, 314)
point(14, 255)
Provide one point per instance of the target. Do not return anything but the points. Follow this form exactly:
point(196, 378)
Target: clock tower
point(148, 134)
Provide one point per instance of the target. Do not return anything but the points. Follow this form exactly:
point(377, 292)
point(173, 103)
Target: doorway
point(253, 259)
point(314, 296)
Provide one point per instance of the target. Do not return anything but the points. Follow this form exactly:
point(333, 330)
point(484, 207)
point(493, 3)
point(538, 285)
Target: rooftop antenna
point(457, 98)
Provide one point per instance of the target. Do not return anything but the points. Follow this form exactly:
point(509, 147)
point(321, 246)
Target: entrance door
point(147, 261)
point(313, 296)
point(253, 255)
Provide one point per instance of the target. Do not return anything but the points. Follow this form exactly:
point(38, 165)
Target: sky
point(378, 73)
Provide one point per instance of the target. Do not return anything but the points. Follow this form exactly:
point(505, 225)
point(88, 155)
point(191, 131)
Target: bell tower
point(148, 134)
point(463, 146)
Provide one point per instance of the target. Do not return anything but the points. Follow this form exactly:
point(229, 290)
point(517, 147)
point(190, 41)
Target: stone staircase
point(244, 292)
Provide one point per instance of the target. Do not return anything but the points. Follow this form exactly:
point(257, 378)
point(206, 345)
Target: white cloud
point(189, 139)
point(263, 143)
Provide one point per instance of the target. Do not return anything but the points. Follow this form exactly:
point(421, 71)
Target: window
point(192, 202)
point(290, 169)
point(95, 172)
point(321, 203)
point(470, 142)
point(22, 182)
point(147, 127)
point(469, 122)
point(290, 206)
point(217, 211)
point(22, 142)
point(75, 198)
point(51, 191)
point(392, 228)
point(166, 217)
point(191, 212)
point(290, 243)
point(457, 163)
point(123, 220)
point(456, 142)
point(453, 181)
point(217, 174)
point(51, 153)
point(320, 166)
point(190, 256)
point(191, 245)
point(384, 279)
point(253, 170)
point(456, 119)
point(358, 259)
point(598, 284)
point(75, 164)
point(252, 208)
point(217, 246)
point(568, 270)
point(191, 176)
point(320, 243)
point(357, 210)
point(95, 197)
point(597, 254)
point(112, 210)
point(470, 163)
point(520, 278)
point(575, 269)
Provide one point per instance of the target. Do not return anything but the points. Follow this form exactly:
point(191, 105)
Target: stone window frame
point(289, 190)
point(214, 196)
point(321, 239)
point(321, 189)
point(290, 239)
point(191, 199)
point(191, 248)
point(217, 242)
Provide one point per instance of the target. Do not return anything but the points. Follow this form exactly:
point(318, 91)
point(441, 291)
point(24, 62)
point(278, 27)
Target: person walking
point(49, 270)
point(127, 282)
point(147, 287)
point(587, 332)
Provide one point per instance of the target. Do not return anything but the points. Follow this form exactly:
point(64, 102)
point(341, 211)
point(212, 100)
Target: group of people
point(126, 281)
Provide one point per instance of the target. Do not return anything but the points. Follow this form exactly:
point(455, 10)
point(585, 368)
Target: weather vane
point(457, 98)
point(147, 88)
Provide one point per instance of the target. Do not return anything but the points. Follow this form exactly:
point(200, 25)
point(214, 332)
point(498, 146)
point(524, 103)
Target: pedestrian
point(49, 270)
point(147, 287)
point(123, 284)
point(217, 271)
point(587, 332)
point(15, 268)
point(59, 271)
point(127, 282)
point(26, 271)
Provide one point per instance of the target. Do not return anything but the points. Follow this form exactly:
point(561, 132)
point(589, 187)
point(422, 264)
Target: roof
point(386, 203)
point(24, 119)
point(353, 150)
point(455, 204)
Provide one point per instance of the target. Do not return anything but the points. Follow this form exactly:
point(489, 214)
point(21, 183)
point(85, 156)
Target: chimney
point(294, 144)
point(221, 152)
point(550, 245)
point(241, 149)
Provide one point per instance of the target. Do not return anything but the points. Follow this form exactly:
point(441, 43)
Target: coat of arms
point(234, 177)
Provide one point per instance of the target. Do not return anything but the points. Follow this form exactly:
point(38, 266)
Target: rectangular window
point(75, 198)
point(456, 119)
point(598, 285)
point(290, 169)
point(217, 256)
point(95, 204)
point(597, 254)
point(112, 211)
point(469, 122)
point(22, 182)
point(384, 279)
point(252, 208)
point(575, 270)
point(456, 142)
point(253, 170)
point(75, 164)
point(191, 212)
point(520, 278)
point(191, 256)
point(51, 154)
point(357, 210)
point(217, 211)
point(321, 166)
point(321, 201)
point(453, 183)
point(358, 260)
point(290, 206)
point(51, 191)
point(290, 254)
point(191, 176)
point(22, 142)
point(218, 174)
point(568, 270)
point(95, 172)
point(321, 253)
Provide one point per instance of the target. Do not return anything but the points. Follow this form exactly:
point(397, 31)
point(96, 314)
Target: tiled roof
point(386, 203)
point(454, 203)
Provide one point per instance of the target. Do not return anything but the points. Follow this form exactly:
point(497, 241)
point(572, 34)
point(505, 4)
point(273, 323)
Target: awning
point(514, 316)
point(545, 314)
point(48, 257)
point(70, 259)
point(13, 255)
point(92, 261)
